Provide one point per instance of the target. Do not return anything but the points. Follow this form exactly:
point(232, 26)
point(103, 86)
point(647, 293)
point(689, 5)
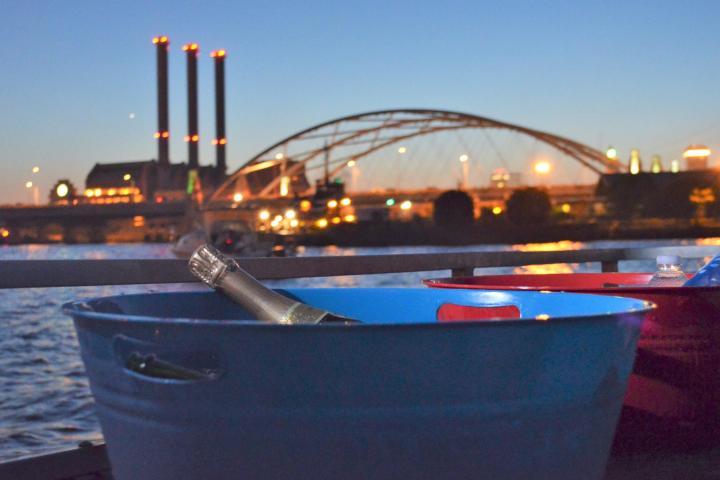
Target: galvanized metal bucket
point(403, 395)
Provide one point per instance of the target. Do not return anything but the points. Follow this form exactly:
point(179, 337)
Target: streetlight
point(464, 161)
point(29, 186)
point(542, 167)
point(35, 188)
point(354, 174)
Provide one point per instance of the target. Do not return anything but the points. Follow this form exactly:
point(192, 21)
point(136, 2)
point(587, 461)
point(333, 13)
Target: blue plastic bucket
point(401, 396)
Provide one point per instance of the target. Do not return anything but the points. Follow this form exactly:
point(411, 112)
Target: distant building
point(659, 195)
point(501, 178)
point(147, 181)
point(696, 157)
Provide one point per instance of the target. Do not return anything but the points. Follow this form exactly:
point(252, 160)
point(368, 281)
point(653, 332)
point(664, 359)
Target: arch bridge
point(326, 149)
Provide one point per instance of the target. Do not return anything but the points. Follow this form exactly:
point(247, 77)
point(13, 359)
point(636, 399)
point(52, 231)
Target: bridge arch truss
point(335, 144)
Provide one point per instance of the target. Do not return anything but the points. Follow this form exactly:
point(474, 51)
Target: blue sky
point(626, 73)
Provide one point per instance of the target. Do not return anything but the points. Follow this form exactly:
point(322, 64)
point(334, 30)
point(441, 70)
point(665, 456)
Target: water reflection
point(548, 247)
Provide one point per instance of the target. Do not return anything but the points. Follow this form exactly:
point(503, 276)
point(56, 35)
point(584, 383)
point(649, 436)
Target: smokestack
point(191, 50)
point(220, 140)
point(163, 132)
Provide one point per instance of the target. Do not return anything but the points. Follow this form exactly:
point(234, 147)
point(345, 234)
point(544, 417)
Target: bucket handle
point(151, 366)
point(158, 363)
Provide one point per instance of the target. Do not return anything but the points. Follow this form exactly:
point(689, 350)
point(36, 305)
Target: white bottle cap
point(667, 260)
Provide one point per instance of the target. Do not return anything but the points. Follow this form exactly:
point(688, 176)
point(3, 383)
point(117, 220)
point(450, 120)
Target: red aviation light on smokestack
point(220, 138)
point(161, 43)
point(191, 47)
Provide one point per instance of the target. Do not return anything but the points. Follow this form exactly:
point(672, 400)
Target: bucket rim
point(466, 283)
point(81, 309)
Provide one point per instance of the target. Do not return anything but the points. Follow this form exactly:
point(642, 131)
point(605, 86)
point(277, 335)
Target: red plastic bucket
point(674, 393)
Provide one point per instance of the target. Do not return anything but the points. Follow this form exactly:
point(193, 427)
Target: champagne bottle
point(224, 274)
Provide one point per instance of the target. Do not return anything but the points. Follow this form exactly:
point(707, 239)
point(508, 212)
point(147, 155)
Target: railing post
point(463, 272)
point(609, 266)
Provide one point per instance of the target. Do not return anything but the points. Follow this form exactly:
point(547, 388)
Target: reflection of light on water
point(708, 241)
point(544, 269)
point(712, 241)
point(548, 247)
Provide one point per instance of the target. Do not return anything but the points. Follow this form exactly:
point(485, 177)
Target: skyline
point(609, 73)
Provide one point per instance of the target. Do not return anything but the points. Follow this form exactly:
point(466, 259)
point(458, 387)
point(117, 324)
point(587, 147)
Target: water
point(45, 401)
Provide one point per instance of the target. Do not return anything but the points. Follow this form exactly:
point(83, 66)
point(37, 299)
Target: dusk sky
point(628, 73)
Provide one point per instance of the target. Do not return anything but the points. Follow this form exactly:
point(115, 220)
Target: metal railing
point(71, 273)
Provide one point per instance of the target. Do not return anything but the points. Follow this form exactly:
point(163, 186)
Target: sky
point(632, 74)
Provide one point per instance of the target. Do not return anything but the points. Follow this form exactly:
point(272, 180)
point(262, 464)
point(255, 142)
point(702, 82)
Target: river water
point(45, 401)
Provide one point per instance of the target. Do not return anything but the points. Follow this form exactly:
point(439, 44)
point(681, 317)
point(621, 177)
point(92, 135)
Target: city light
point(402, 150)
point(497, 210)
point(345, 202)
point(542, 167)
point(279, 156)
point(565, 208)
point(290, 214)
point(464, 158)
point(190, 47)
point(349, 218)
point(284, 186)
point(390, 202)
point(305, 205)
point(406, 205)
point(635, 162)
point(264, 215)
point(336, 220)
point(656, 164)
point(35, 169)
point(127, 177)
point(696, 152)
point(322, 223)
point(4, 232)
point(611, 153)
point(351, 163)
point(28, 184)
point(217, 53)
point(238, 197)
point(332, 203)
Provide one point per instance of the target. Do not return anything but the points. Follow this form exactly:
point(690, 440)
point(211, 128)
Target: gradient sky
point(639, 74)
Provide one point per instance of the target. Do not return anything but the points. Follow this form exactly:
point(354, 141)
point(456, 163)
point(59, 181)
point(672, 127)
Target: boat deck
point(91, 463)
